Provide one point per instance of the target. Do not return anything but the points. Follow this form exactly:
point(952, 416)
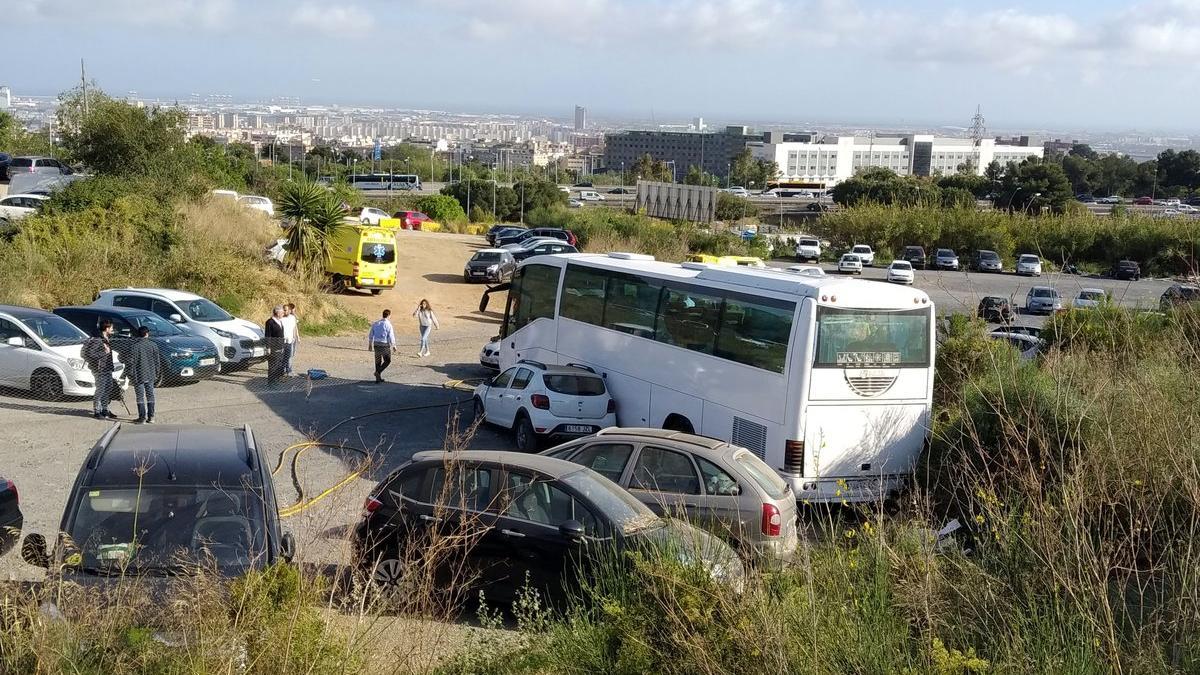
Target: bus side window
point(688, 319)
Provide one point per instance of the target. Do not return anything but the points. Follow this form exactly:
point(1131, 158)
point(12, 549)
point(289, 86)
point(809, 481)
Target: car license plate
point(577, 429)
point(207, 362)
point(367, 282)
point(259, 351)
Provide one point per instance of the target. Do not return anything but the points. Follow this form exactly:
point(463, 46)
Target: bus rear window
point(864, 338)
point(378, 253)
point(575, 385)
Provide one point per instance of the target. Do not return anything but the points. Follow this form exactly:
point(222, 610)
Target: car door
point(15, 361)
point(496, 398)
point(464, 545)
point(537, 553)
point(720, 509)
point(666, 481)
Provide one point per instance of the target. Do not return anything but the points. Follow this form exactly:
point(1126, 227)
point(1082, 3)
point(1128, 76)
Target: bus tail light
point(793, 457)
point(540, 401)
point(612, 406)
point(772, 522)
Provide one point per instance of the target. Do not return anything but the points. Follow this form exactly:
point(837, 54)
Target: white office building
point(824, 162)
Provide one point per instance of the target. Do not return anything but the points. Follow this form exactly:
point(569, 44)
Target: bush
point(732, 207)
point(442, 208)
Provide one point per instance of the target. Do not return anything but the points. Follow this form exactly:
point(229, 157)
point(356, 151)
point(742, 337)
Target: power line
point(978, 127)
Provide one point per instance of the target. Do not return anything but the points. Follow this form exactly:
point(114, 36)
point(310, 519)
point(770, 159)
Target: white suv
point(540, 402)
point(808, 249)
point(41, 352)
point(865, 254)
point(239, 343)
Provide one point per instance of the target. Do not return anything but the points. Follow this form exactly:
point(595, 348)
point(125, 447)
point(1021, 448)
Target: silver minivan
point(724, 488)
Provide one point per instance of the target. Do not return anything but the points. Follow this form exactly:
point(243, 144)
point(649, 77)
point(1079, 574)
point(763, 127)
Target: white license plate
point(367, 282)
point(577, 429)
point(207, 362)
point(259, 351)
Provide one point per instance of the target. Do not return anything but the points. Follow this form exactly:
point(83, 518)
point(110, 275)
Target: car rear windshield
point(575, 385)
point(378, 253)
point(863, 338)
point(861, 249)
point(763, 475)
point(486, 257)
point(945, 253)
point(21, 161)
point(914, 250)
point(901, 266)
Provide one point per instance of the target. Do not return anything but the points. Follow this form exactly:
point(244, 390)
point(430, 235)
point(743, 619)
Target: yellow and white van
point(362, 256)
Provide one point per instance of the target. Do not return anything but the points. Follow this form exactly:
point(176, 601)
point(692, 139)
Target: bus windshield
point(865, 338)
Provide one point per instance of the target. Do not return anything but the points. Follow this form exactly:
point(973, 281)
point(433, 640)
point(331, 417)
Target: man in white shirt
point(291, 336)
point(382, 340)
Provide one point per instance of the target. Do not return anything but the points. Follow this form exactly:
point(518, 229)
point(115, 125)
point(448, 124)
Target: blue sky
point(1074, 64)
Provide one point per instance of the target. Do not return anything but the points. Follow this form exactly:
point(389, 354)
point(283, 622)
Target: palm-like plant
point(313, 215)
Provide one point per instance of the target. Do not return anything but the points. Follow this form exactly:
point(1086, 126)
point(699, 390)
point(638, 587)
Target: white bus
point(384, 181)
point(828, 380)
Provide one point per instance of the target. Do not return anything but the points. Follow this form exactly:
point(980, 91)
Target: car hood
point(239, 327)
point(67, 351)
point(189, 342)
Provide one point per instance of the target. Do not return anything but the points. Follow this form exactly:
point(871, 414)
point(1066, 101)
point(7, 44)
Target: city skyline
point(1030, 65)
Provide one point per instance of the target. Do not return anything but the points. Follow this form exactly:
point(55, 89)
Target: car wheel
point(376, 291)
point(526, 438)
point(338, 284)
point(46, 385)
point(387, 574)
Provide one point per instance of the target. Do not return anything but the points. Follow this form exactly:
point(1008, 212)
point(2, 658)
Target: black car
point(583, 184)
point(1192, 201)
point(497, 231)
point(522, 235)
point(156, 500)
point(622, 191)
point(11, 519)
point(5, 159)
point(1128, 270)
point(498, 520)
point(817, 207)
point(185, 357)
point(544, 248)
point(996, 309)
point(914, 255)
point(1085, 199)
point(491, 265)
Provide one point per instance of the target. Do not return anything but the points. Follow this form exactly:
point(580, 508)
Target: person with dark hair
point(144, 370)
point(98, 354)
point(426, 321)
point(382, 340)
point(291, 336)
point(276, 345)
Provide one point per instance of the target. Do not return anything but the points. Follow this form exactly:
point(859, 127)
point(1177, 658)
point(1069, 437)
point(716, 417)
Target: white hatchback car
point(1029, 264)
point(850, 264)
point(808, 249)
point(257, 203)
point(900, 272)
point(16, 207)
point(540, 402)
point(1090, 298)
point(864, 253)
point(41, 352)
point(369, 215)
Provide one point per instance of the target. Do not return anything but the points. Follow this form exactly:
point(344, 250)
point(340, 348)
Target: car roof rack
point(101, 446)
point(531, 362)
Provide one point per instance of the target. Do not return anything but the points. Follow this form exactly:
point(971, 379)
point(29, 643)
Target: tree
point(442, 208)
point(883, 186)
point(473, 193)
point(731, 207)
point(313, 215)
point(1179, 169)
point(695, 176)
point(113, 137)
point(979, 186)
point(1032, 185)
point(1084, 151)
point(747, 171)
point(648, 168)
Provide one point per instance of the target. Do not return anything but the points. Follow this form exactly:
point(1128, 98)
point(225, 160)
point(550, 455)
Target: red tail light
point(772, 522)
point(540, 401)
point(612, 406)
point(371, 505)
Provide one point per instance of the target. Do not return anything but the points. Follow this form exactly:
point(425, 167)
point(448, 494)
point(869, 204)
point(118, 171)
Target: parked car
point(737, 191)
point(1085, 198)
point(574, 204)
point(740, 261)
point(412, 220)
point(40, 352)
point(1186, 208)
point(996, 308)
point(987, 261)
point(540, 402)
point(490, 264)
point(495, 232)
point(1179, 294)
point(528, 244)
point(849, 263)
point(368, 215)
point(1143, 201)
point(1128, 270)
point(808, 249)
point(720, 487)
point(41, 165)
point(489, 356)
point(153, 501)
point(1090, 298)
point(1023, 330)
point(622, 191)
point(258, 204)
point(520, 236)
point(1042, 300)
point(16, 207)
point(915, 255)
point(544, 248)
point(184, 357)
point(226, 194)
point(945, 259)
point(865, 254)
point(900, 272)
point(806, 270)
point(1192, 201)
point(1028, 345)
point(5, 158)
point(1029, 265)
point(11, 518)
point(239, 343)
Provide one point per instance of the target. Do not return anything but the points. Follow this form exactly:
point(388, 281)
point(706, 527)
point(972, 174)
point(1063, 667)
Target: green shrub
point(732, 207)
point(442, 208)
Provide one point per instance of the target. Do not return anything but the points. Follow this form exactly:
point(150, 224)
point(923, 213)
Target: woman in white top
point(427, 321)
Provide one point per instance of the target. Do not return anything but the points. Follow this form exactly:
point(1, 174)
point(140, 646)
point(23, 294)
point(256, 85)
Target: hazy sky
point(1055, 63)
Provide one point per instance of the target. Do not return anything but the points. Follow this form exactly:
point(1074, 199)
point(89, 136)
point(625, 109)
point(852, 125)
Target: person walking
point(98, 354)
point(382, 340)
point(144, 370)
point(276, 358)
point(291, 336)
point(427, 321)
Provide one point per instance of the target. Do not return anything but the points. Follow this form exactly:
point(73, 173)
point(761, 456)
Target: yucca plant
point(312, 215)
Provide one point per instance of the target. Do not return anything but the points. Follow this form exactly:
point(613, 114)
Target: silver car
point(726, 489)
point(1043, 300)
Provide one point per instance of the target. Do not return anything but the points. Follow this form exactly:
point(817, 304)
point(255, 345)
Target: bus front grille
point(750, 435)
point(867, 383)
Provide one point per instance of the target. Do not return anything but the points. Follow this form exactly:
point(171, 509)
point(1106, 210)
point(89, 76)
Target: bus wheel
point(376, 291)
point(678, 423)
point(338, 284)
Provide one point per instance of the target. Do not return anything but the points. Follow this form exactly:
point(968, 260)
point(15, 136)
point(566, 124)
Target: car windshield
point(864, 338)
point(162, 529)
point(1091, 295)
point(763, 475)
point(945, 253)
point(861, 249)
point(619, 507)
point(988, 255)
point(575, 385)
point(993, 301)
point(54, 330)
point(1127, 264)
point(913, 250)
point(1030, 259)
point(1045, 293)
point(809, 242)
point(202, 309)
point(486, 257)
point(158, 326)
point(901, 266)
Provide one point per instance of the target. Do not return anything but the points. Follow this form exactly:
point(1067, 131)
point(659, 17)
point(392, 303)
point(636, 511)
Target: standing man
point(291, 336)
point(382, 340)
point(143, 369)
point(276, 358)
point(98, 353)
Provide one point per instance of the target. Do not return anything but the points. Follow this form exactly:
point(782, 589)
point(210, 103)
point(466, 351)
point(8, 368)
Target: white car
point(239, 343)
point(864, 253)
point(489, 356)
point(850, 264)
point(590, 196)
point(42, 353)
point(806, 270)
point(226, 194)
point(574, 203)
point(532, 242)
point(900, 272)
point(1029, 265)
point(1113, 199)
point(1186, 208)
point(369, 215)
point(540, 402)
point(737, 191)
point(1028, 345)
point(808, 249)
point(1090, 298)
point(257, 203)
point(16, 207)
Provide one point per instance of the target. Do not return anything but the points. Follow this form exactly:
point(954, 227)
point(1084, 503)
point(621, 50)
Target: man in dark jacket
point(98, 354)
point(143, 371)
point(276, 356)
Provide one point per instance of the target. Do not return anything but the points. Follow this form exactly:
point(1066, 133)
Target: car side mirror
point(33, 551)
point(175, 318)
point(287, 547)
point(572, 531)
point(15, 341)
